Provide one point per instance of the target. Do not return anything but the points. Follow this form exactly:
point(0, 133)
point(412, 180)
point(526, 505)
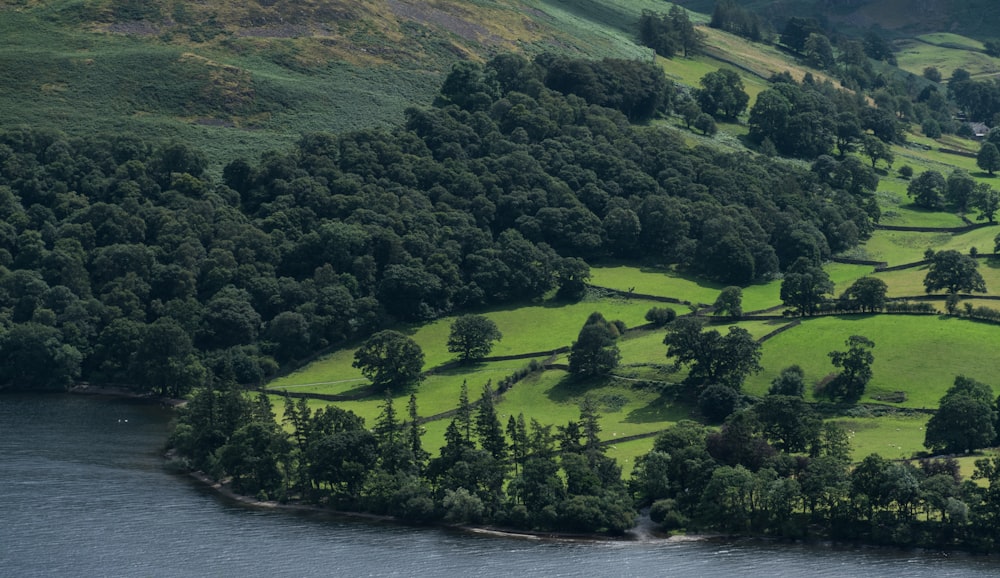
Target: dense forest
point(124, 263)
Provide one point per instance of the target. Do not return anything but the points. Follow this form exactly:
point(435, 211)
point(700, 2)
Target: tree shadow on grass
point(571, 387)
point(661, 409)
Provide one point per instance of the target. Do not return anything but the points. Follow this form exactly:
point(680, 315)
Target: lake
point(84, 492)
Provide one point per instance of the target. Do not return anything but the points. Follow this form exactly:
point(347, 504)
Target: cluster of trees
point(522, 476)
point(777, 469)
point(733, 18)
point(718, 365)
point(807, 288)
point(807, 119)
point(671, 33)
point(978, 99)
point(959, 192)
point(123, 262)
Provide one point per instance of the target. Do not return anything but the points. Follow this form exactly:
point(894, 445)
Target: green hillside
point(237, 79)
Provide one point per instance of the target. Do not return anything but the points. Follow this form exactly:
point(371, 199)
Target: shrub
point(660, 316)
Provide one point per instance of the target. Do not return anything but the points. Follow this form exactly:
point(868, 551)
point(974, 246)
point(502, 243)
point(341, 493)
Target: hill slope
point(236, 79)
point(976, 18)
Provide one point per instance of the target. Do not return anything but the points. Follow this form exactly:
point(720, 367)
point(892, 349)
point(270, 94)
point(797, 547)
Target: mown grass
point(918, 355)
point(333, 374)
point(689, 71)
point(934, 158)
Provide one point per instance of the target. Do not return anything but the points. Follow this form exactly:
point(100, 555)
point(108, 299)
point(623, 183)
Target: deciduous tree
point(805, 286)
point(865, 294)
point(964, 420)
point(722, 93)
point(954, 272)
point(594, 352)
point(729, 302)
point(856, 369)
point(472, 337)
point(988, 158)
point(390, 360)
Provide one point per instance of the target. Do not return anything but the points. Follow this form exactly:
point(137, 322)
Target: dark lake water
point(83, 492)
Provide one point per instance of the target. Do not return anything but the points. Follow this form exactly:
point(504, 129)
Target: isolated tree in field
point(390, 360)
point(927, 190)
point(729, 302)
point(472, 337)
point(964, 420)
point(867, 294)
point(876, 150)
point(594, 352)
point(856, 369)
point(986, 201)
point(955, 272)
point(722, 94)
point(689, 110)
point(805, 286)
point(959, 190)
point(988, 158)
point(713, 358)
point(706, 124)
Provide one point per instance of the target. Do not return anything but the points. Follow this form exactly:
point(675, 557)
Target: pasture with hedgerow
point(532, 264)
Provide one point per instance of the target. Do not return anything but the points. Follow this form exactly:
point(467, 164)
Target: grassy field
point(946, 52)
point(901, 247)
point(899, 210)
point(910, 282)
point(918, 355)
point(669, 283)
point(891, 436)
